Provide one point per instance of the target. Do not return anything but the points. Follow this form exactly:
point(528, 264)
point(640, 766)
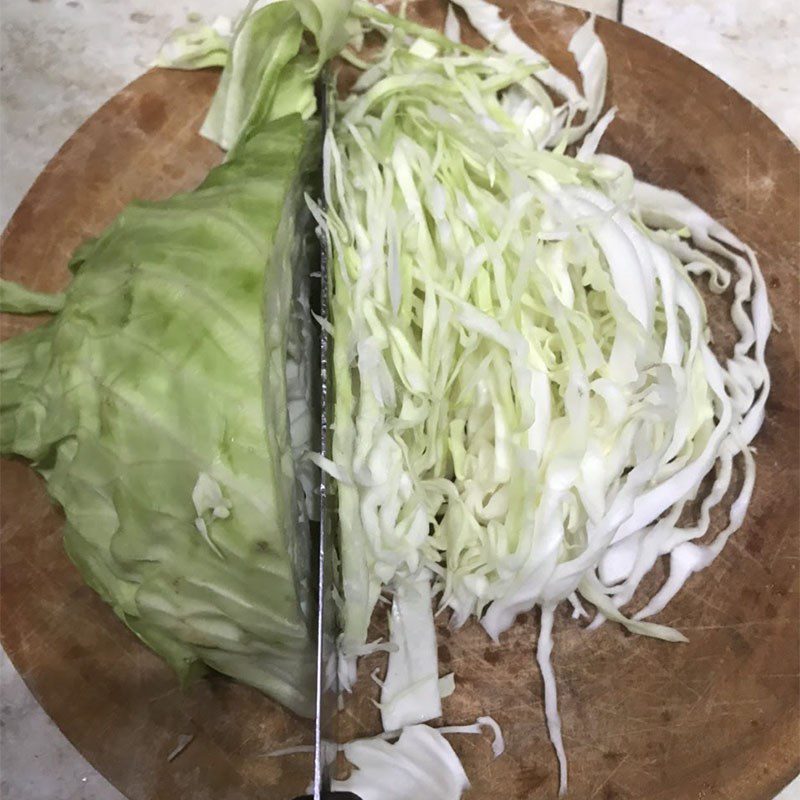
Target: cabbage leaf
point(155, 403)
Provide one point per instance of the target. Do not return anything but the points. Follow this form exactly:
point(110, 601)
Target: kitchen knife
point(326, 685)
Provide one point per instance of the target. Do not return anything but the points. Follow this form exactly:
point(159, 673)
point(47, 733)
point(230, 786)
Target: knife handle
point(332, 796)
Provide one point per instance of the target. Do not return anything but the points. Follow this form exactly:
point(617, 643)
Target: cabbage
point(528, 403)
point(197, 45)
point(411, 690)
point(421, 763)
point(155, 403)
point(527, 398)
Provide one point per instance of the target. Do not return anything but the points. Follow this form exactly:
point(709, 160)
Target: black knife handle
point(332, 796)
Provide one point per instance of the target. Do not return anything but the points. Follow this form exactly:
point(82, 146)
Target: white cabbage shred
point(209, 504)
point(420, 764)
point(411, 687)
point(527, 399)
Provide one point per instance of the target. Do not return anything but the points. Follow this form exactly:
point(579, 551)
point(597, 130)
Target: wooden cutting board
point(714, 719)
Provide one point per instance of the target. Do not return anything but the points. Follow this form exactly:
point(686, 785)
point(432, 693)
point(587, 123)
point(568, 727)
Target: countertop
point(61, 59)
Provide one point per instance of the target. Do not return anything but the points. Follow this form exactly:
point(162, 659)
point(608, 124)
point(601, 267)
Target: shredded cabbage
point(411, 690)
point(527, 399)
point(420, 764)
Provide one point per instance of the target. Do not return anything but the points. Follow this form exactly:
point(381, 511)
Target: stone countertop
point(69, 56)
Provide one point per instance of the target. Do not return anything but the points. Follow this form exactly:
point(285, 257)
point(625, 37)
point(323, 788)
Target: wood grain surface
point(717, 719)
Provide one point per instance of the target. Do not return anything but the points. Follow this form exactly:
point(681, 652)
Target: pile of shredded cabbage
point(526, 395)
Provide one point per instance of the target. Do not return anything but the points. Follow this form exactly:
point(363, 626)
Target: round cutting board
point(716, 718)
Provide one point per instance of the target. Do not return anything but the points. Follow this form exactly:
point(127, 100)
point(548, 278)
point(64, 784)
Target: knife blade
point(326, 687)
point(326, 684)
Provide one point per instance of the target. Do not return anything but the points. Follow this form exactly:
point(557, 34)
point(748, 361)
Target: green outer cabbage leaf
point(256, 80)
point(155, 406)
point(16, 299)
point(265, 63)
